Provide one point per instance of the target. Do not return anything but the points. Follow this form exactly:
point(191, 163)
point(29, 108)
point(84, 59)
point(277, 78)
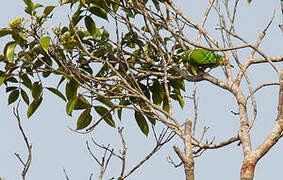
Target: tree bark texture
point(253, 156)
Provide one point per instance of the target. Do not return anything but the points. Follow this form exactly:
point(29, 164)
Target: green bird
point(201, 60)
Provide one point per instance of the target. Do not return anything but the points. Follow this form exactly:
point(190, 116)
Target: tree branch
point(28, 145)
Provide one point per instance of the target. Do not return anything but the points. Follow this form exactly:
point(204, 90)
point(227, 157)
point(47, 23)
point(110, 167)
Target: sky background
point(56, 147)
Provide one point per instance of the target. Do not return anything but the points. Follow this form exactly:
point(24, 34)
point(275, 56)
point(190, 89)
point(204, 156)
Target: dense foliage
point(102, 75)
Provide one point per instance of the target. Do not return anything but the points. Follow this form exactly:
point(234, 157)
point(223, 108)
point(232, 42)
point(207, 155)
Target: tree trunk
point(248, 169)
point(189, 171)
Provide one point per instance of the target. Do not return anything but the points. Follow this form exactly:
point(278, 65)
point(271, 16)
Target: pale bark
point(187, 157)
point(189, 163)
point(251, 157)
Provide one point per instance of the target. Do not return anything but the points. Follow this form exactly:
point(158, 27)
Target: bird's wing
point(203, 57)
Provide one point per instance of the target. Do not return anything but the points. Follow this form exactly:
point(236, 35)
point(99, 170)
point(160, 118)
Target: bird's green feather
point(200, 59)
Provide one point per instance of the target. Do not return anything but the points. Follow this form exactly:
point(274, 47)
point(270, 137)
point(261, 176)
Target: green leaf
point(98, 11)
point(33, 106)
point(105, 34)
point(12, 79)
point(97, 33)
point(102, 111)
point(129, 13)
point(57, 92)
point(145, 90)
point(66, 1)
point(156, 4)
point(60, 82)
point(45, 42)
point(46, 74)
point(105, 101)
point(181, 101)
point(13, 96)
point(77, 17)
point(29, 6)
point(71, 89)
point(103, 5)
point(28, 3)
point(2, 58)
point(2, 78)
point(119, 111)
point(153, 121)
point(26, 81)
point(81, 103)
point(84, 119)
point(36, 90)
point(71, 105)
point(249, 1)
point(11, 88)
point(142, 123)
point(37, 5)
point(178, 84)
point(25, 96)
point(115, 5)
point(19, 39)
point(90, 25)
point(4, 32)
point(179, 98)
point(48, 10)
point(157, 92)
point(10, 50)
point(165, 106)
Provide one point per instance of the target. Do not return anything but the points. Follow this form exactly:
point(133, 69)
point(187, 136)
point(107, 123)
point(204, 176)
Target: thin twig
point(104, 160)
point(90, 152)
point(169, 159)
point(65, 173)
point(162, 140)
point(263, 85)
point(211, 2)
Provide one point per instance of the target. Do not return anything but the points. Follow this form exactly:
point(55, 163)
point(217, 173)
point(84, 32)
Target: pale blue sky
point(55, 147)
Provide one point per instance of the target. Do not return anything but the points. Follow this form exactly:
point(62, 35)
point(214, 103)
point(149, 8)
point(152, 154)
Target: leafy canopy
point(97, 73)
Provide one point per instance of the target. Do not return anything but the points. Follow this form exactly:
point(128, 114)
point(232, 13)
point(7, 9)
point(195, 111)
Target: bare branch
point(215, 146)
point(205, 128)
point(211, 2)
point(172, 162)
point(104, 160)
point(277, 129)
point(262, 35)
point(123, 152)
point(195, 102)
point(28, 145)
point(263, 85)
point(187, 156)
point(161, 141)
